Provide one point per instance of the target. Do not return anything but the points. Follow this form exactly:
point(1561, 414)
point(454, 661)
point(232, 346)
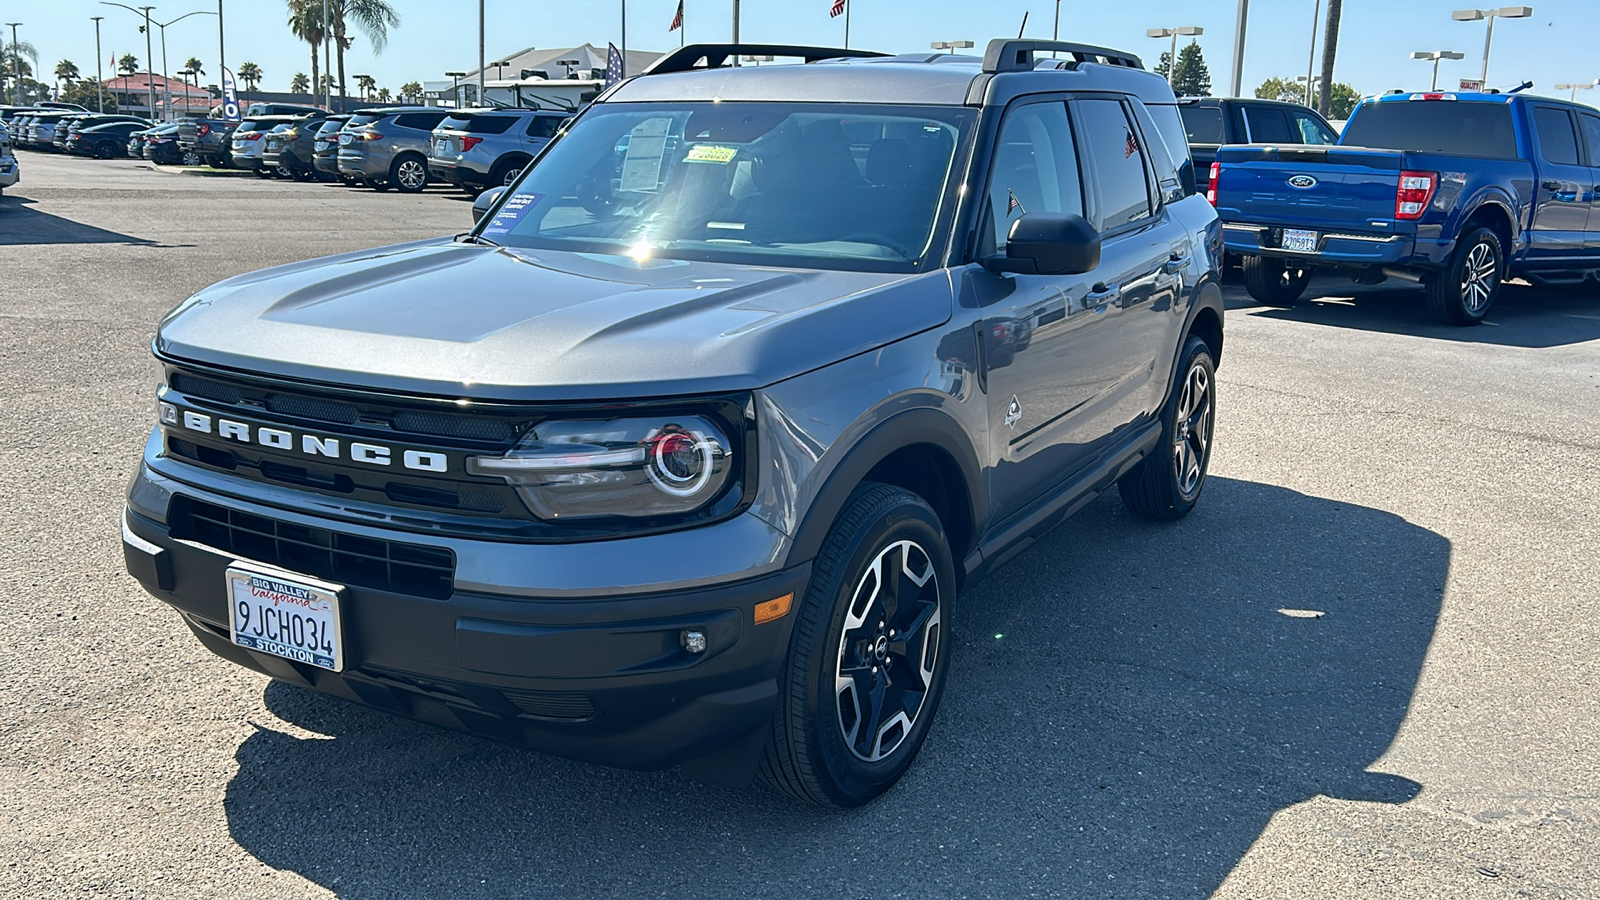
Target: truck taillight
point(202, 129)
point(1414, 194)
point(1211, 186)
point(467, 143)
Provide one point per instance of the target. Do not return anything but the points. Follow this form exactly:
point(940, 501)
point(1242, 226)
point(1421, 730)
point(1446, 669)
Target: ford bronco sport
point(684, 454)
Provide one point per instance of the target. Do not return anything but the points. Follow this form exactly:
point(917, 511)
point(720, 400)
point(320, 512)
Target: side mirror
point(485, 201)
point(1049, 244)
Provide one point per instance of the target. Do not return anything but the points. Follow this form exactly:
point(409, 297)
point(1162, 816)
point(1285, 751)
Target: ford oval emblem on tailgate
point(1303, 182)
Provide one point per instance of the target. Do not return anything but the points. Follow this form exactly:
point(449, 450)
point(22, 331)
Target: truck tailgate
point(1317, 187)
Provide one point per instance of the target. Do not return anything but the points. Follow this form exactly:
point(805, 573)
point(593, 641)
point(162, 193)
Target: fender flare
point(901, 430)
point(1207, 295)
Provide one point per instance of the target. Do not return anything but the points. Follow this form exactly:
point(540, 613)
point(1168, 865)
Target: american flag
point(677, 20)
point(838, 9)
point(613, 65)
point(1013, 204)
point(1130, 146)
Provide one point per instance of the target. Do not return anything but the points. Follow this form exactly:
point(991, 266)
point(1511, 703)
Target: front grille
point(551, 704)
point(473, 429)
point(343, 558)
point(195, 386)
point(312, 408)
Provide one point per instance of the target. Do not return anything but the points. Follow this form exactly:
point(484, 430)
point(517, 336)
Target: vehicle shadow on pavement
point(1523, 315)
point(1130, 704)
point(21, 224)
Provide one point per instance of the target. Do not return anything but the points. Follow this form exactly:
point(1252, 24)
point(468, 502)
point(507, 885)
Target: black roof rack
point(711, 56)
point(1007, 55)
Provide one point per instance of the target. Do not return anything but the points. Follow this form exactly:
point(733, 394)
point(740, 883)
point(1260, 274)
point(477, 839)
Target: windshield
point(761, 183)
point(1452, 128)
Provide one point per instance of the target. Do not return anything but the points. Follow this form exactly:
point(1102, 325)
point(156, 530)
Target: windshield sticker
point(512, 212)
point(647, 146)
point(707, 153)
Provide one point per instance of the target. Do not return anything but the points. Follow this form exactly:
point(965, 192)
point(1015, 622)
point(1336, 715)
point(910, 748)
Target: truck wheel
point(1167, 483)
point(1273, 281)
point(1464, 291)
point(409, 173)
point(869, 654)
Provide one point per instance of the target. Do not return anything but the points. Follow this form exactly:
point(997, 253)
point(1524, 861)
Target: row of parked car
point(400, 147)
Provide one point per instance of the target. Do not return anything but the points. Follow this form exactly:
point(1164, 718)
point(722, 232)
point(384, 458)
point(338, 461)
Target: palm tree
point(373, 18)
point(365, 83)
point(1330, 49)
point(383, 95)
point(250, 74)
point(128, 64)
point(305, 20)
point(9, 53)
point(67, 71)
point(300, 84)
point(196, 68)
point(411, 90)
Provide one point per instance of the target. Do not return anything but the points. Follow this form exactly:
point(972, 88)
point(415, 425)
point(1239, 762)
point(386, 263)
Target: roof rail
point(711, 56)
point(1007, 55)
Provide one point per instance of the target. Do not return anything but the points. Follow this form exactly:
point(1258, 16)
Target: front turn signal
point(772, 610)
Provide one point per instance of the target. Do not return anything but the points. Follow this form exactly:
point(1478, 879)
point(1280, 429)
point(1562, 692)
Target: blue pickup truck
point(1455, 192)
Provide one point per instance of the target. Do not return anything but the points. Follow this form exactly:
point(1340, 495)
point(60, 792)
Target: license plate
point(1299, 241)
point(321, 146)
point(441, 147)
point(345, 139)
point(285, 615)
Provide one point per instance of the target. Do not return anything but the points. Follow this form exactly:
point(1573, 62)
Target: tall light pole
point(222, 56)
point(1437, 55)
point(16, 60)
point(456, 88)
point(1186, 31)
point(1313, 85)
point(1504, 12)
point(1575, 88)
point(99, 74)
point(500, 69)
point(624, 38)
point(1236, 78)
point(166, 88)
point(736, 29)
point(1311, 60)
point(327, 60)
point(481, 65)
point(148, 52)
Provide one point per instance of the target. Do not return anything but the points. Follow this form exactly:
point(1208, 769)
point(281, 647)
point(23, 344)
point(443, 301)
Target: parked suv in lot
point(476, 149)
point(325, 147)
point(249, 142)
point(387, 148)
point(689, 466)
point(289, 149)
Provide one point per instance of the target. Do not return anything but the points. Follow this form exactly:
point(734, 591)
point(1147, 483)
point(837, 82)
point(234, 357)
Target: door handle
point(1551, 185)
point(1174, 264)
point(1100, 294)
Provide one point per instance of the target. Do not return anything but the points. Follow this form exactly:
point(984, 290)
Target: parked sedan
point(107, 141)
point(480, 148)
point(389, 147)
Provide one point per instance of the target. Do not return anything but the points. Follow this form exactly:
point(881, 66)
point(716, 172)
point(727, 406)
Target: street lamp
point(1311, 61)
point(166, 90)
point(456, 87)
point(500, 69)
point(1315, 84)
point(1437, 55)
point(951, 45)
point(569, 65)
point(16, 60)
point(1504, 12)
point(1186, 31)
point(1575, 88)
point(148, 53)
point(99, 74)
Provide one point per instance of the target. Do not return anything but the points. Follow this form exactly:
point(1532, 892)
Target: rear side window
point(1311, 130)
point(1035, 168)
point(1475, 129)
point(360, 121)
point(1268, 125)
point(421, 121)
point(544, 126)
point(329, 127)
point(1558, 141)
point(480, 124)
point(1202, 124)
point(1119, 163)
point(1591, 134)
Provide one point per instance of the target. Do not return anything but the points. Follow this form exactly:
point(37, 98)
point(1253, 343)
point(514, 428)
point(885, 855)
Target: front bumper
point(1344, 249)
point(603, 679)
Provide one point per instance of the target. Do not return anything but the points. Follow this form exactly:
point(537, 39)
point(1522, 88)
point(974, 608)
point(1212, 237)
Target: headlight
point(636, 468)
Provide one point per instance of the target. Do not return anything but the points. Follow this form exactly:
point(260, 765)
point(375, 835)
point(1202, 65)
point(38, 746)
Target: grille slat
point(348, 559)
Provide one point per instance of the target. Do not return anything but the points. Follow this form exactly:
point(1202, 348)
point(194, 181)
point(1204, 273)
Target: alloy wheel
point(1479, 277)
point(412, 175)
point(888, 651)
point(1192, 431)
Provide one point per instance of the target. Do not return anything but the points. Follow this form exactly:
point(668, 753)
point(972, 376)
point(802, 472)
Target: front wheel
point(105, 150)
point(1464, 291)
point(1274, 281)
point(1166, 485)
point(869, 654)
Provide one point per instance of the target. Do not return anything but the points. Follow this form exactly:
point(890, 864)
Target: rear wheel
point(1464, 291)
point(409, 174)
point(1273, 281)
point(506, 171)
point(105, 150)
point(190, 158)
point(1166, 485)
point(869, 653)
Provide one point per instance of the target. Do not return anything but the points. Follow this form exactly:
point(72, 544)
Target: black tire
point(265, 172)
point(105, 150)
point(299, 174)
point(506, 171)
point(409, 173)
point(1464, 291)
point(1273, 281)
point(1166, 485)
point(375, 184)
point(812, 754)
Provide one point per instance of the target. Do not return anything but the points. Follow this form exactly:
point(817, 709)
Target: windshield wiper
point(470, 238)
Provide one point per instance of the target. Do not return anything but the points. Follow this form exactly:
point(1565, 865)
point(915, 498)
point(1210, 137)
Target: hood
point(463, 320)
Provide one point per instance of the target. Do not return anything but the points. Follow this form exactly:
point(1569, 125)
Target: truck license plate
point(441, 147)
point(1299, 241)
point(285, 615)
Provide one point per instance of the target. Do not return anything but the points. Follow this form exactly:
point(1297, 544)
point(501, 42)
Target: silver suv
point(481, 148)
point(388, 147)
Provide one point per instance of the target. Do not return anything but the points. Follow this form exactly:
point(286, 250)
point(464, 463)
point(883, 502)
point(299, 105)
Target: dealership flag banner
point(230, 97)
point(613, 65)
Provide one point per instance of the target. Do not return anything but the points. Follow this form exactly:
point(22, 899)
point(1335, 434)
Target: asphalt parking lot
point(1365, 667)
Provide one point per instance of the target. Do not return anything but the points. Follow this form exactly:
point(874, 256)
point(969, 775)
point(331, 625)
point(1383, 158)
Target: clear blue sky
point(434, 36)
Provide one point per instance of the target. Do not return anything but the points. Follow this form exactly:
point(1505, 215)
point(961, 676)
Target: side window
point(1268, 125)
point(1591, 134)
point(420, 121)
point(1035, 167)
point(1557, 139)
point(543, 126)
point(1311, 129)
point(1119, 163)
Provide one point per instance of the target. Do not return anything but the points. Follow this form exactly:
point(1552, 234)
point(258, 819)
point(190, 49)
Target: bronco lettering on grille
point(308, 444)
